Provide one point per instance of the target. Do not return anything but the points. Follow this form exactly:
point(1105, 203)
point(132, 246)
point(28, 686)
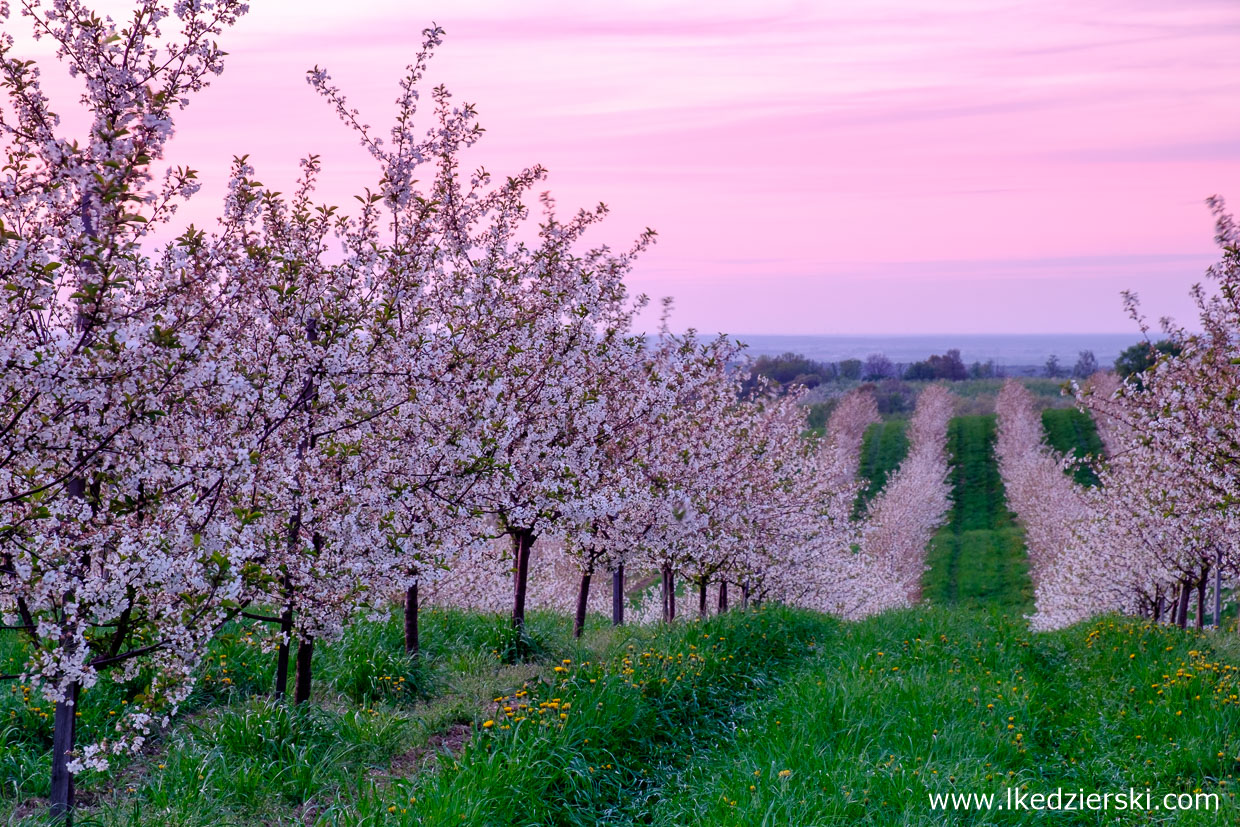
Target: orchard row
point(1157, 535)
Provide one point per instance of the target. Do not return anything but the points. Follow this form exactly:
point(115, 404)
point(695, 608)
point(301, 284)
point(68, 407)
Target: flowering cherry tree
point(1160, 522)
point(642, 396)
point(913, 504)
point(1171, 438)
point(696, 462)
point(828, 485)
point(875, 562)
point(112, 481)
point(1079, 565)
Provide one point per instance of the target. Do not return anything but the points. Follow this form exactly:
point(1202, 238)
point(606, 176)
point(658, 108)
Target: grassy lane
point(882, 450)
point(601, 743)
point(586, 734)
point(235, 757)
point(978, 557)
point(938, 700)
point(1071, 431)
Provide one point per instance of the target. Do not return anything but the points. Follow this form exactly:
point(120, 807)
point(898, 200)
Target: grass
point(383, 730)
point(698, 724)
point(598, 742)
point(939, 700)
point(768, 717)
point(978, 557)
point(1046, 391)
point(234, 751)
point(883, 448)
point(1072, 431)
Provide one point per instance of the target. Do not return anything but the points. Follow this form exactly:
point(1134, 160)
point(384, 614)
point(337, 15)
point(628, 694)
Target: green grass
point(606, 720)
point(978, 558)
point(940, 700)
point(1072, 431)
point(883, 448)
point(1046, 391)
point(598, 743)
point(371, 704)
point(695, 723)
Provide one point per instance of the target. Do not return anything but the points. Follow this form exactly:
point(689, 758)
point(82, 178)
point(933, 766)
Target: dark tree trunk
point(522, 542)
point(723, 596)
point(1201, 600)
point(286, 638)
point(307, 442)
point(1158, 606)
point(1218, 589)
point(64, 717)
point(411, 620)
point(305, 654)
point(617, 595)
point(702, 596)
point(583, 597)
point(64, 741)
point(663, 592)
point(1181, 615)
point(745, 596)
point(669, 594)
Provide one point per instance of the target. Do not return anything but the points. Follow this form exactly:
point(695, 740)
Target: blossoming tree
point(117, 547)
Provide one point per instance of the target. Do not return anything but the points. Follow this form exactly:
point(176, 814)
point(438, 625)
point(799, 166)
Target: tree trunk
point(286, 638)
point(64, 741)
point(305, 653)
point(744, 596)
point(64, 717)
point(669, 594)
point(1201, 600)
point(583, 597)
point(1218, 588)
point(1158, 605)
point(702, 596)
point(617, 595)
point(723, 596)
point(1181, 615)
point(307, 442)
point(411, 620)
point(522, 542)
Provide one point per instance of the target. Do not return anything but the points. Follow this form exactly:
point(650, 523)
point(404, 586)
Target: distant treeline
point(790, 369)
point(794, 369)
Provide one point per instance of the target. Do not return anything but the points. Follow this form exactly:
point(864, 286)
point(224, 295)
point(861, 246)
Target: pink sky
point(844, 167)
